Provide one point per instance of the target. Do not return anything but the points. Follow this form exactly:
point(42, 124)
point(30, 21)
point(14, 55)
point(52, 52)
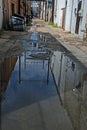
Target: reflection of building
point(6, 68)
point(71, 83)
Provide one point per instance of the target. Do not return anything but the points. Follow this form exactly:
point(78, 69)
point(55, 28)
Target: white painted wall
point(1, 14)
point(68, 15)
point(73, 16)
point(58, 5)
point(82, 20)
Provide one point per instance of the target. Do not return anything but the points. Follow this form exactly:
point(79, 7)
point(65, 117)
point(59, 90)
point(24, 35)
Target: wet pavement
point(42, 87)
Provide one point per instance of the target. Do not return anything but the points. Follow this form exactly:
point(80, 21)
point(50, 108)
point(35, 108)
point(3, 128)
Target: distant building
point(46, 10)
point(35, 8)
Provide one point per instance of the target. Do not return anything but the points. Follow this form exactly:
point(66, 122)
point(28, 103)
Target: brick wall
point(22, 7)
point(5, 14)
point(13, 7)
point(6, 68)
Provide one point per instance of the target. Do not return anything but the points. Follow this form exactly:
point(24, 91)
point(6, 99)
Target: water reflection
point(71, 82)
point(31, 74)
point(32, 59)
point(27, 79)
point(6, 68)
point(36, 52)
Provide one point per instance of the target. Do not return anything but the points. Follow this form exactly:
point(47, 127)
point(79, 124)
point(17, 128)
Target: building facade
point(59, 13)
point(46, 10)
point(79, 17)
point(71, 84)
point(71, 15)
point(11, 7)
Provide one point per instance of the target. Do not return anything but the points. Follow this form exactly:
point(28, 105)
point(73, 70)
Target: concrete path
point(71, 42)
point(47, 114)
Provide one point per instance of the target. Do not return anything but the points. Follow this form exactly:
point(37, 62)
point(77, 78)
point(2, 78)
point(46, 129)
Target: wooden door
point(78, 18)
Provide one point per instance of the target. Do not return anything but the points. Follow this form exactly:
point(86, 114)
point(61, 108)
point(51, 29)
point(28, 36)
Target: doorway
point(78, 17)
point(12, 8)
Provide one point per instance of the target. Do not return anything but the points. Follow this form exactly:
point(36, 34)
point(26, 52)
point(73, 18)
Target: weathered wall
point(58, 5)
point(72, 14)
point(15, 3)
point(71, 82)
point(66, 15)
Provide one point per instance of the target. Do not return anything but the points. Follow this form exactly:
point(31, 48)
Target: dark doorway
point(63, 18)
point(78, 17)
point(12, 8)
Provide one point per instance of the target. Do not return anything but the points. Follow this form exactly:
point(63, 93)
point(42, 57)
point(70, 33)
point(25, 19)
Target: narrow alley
point(43, 83)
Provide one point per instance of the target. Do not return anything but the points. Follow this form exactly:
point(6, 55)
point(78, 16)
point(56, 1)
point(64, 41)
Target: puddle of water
point(71, 83)
point(28, 79)
point(6, 68)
